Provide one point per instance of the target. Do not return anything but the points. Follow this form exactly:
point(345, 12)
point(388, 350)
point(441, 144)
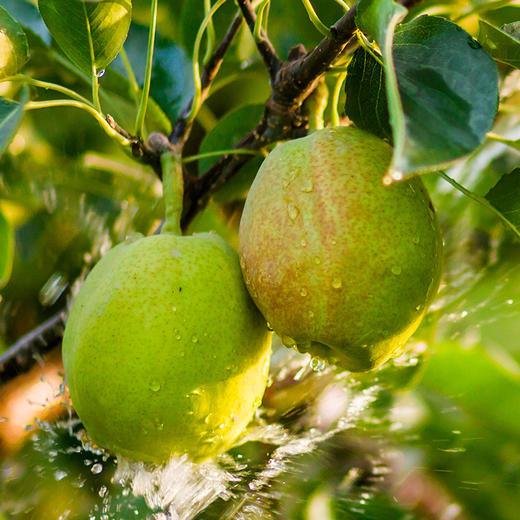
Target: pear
point(340, 265)
point(164, 351)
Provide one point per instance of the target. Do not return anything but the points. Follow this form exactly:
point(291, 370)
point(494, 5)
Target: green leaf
point(10, 117)
point(29, 18)
point(449, 93)
point(502, 15)
point(223, 136)
point(366, 103)
point(89, 32)
point(6, 250)
point(378, 18)
point(14, 49)
point(444, 98)
point(505, 197)
point(501, 44)
point(478, 384)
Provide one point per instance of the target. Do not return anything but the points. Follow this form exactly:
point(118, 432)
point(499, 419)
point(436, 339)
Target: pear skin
point(164, 351)
point(339, 264)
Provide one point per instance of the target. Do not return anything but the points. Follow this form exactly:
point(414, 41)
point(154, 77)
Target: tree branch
point(291, 84)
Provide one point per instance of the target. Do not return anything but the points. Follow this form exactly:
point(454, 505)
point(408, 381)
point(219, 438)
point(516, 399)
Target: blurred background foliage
point(438, 438)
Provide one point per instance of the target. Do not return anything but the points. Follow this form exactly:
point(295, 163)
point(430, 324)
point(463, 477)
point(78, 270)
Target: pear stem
point(173, 192)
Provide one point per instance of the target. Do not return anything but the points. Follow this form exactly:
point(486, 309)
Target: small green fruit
point(340, 265)
point(164, 350)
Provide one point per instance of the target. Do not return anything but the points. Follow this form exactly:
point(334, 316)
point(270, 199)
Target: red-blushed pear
point(339, 264)
point(164, 351)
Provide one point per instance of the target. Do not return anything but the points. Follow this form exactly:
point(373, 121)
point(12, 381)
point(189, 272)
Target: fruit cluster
point(166, 352)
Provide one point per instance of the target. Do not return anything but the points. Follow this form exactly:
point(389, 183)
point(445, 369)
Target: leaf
point(445, 97)
point(501, 45)
point(228, 131)
point(223, 136)
point(14, 49)
point(378, 18)
point(94, 32)
point(10, 117)
point(476, 383)
point(449, 92)
point(505, 197)
point(502, 15)
point(29, 18)
point(6, 250)
point(366, 103)
point(172, 79)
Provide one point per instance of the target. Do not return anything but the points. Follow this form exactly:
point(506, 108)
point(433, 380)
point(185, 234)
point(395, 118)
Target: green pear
point(164, 351)
point(340, 265)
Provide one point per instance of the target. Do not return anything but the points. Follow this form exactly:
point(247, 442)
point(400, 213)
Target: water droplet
point(474, 44)
point(52, 289)
point(158, 424)
point(303, 291)
point(154, 385)
point(333, 242)
point(293, 211)
point(100, 73)
point(336, 283)
point(463, 314)
point(96, 468)
point(60, 474)
point(194, 339)
point(317, 365)
point(103, 490)
point(308, 186)
point(396, 269)
point(174, 309)
point(299, 374)
point(303, 242)
point(509, 302)
point(288, 341)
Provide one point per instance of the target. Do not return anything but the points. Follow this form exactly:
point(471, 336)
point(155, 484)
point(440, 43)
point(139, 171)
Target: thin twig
point(23, 354)
point(263, 44)
point(182, 127)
